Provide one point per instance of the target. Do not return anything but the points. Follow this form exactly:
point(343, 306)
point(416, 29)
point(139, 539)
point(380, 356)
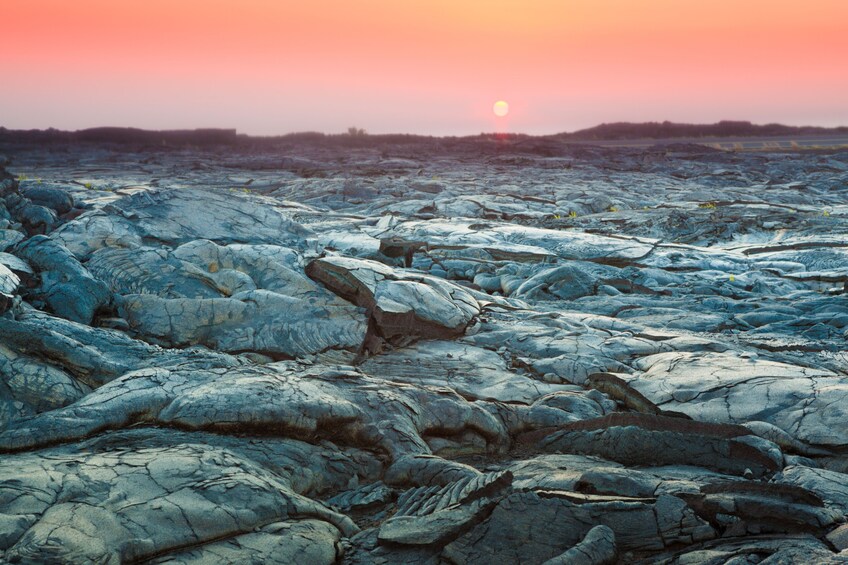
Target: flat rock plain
point(425, 351)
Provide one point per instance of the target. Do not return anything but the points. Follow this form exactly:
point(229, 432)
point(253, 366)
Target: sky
point(433, 67)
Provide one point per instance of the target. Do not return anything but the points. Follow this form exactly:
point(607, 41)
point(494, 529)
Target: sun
point(500, 108)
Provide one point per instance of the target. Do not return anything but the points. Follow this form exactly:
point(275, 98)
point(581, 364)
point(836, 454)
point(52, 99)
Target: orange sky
point(422, 66)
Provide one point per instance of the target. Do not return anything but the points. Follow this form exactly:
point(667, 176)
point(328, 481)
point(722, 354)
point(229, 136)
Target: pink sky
point(420, 66)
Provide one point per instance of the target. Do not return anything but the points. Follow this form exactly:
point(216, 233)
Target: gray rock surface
point(256, 320)
point(423, 352)
point(635, 439)
point(809, 404)
point(756, 549)
point(282, 543)
point(597, 548)
point(175, 217)
point(537, 526)
point(65, 286)
point(123, 506)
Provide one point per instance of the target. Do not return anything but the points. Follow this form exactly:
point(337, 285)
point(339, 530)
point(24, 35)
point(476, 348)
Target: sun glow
point(500, 108)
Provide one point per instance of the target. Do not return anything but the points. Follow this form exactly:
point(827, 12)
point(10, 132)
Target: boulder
point(9, 282)
point(55, 199)
point(402, 306)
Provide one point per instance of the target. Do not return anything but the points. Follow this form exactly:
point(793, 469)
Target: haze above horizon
point(432, 67)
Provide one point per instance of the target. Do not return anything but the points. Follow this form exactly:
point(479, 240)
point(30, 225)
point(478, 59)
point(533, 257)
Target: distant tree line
point(118, 135)
point(359, 137)
point(663, 130)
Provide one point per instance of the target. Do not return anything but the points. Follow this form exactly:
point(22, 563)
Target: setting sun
point(500, 108)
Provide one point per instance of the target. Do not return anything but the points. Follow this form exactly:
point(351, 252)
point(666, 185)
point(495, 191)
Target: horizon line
point(357, 131)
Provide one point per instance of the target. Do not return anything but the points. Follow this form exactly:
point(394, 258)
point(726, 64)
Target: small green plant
point(88, 185)
point(707, 205)
point(732, 278)
point(22, 177)
point(572, 214)
point(826, 213)
point(37, 181)
point(645, 208)
point(613, 209)
point(556, 216)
